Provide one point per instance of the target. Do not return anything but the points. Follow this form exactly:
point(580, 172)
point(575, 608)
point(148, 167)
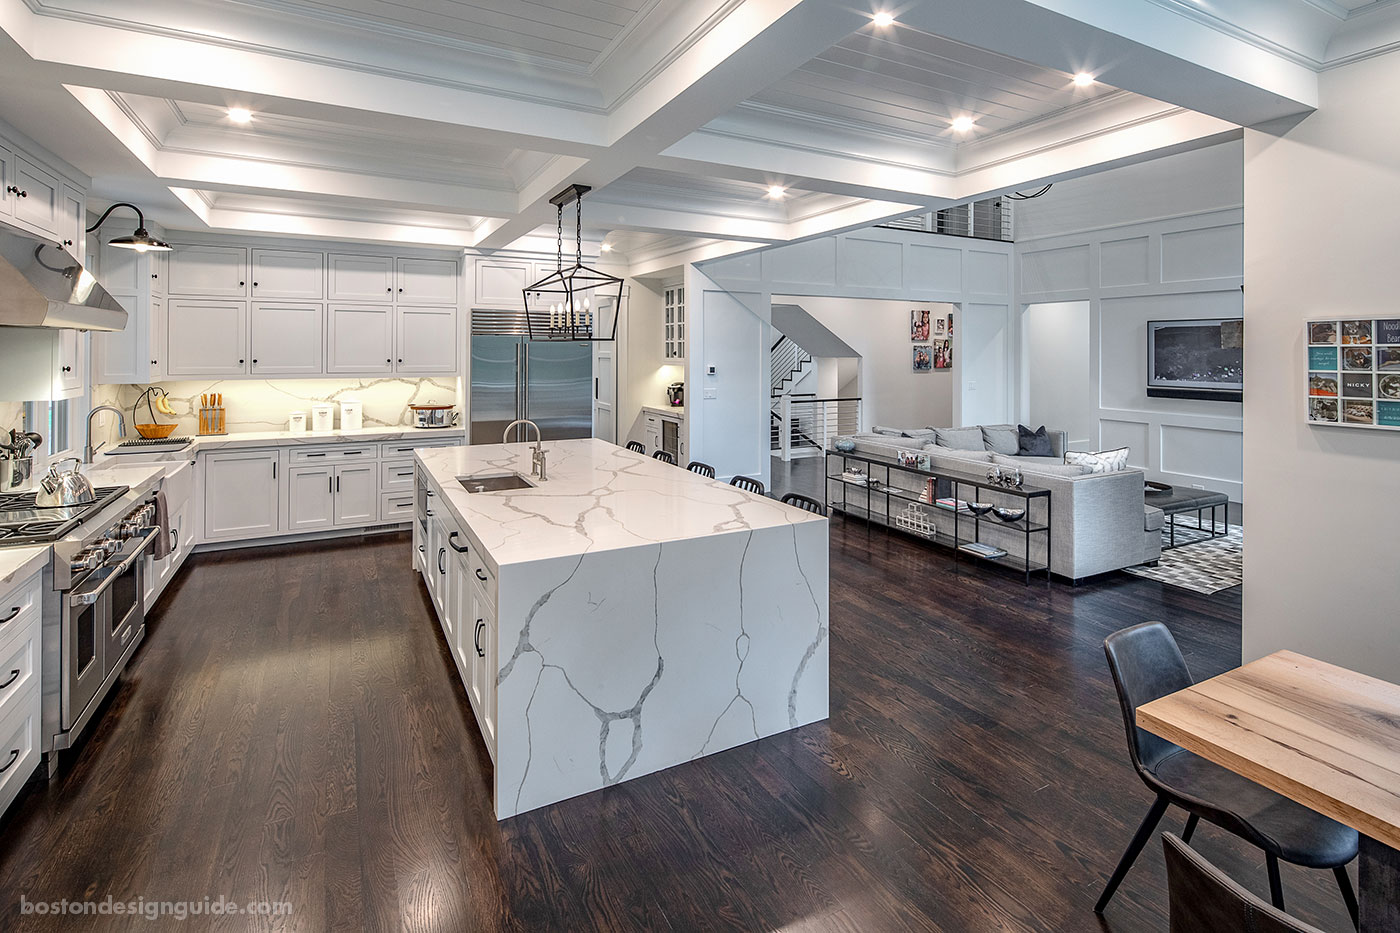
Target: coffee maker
point(675, 394)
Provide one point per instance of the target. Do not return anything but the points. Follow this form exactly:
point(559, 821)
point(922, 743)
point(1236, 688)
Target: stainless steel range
point(93, 615)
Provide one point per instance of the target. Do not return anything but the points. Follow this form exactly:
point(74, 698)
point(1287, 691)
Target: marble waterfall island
point(634, 615)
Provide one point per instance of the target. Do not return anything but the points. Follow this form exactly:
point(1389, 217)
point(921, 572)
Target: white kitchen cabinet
point(360, 339)
point(651, 432)
point(311, 502)
point(674, 336)
point(359, 278)
point(463, 621)
point(285, 338)
point(287, 273)
point(426, 281)
point(396, 506)
point(482, 686)
point(37, 197)
point(435, 563)
point(40, 363)
point(72, 219)
point(7, 181)
point(425, 340)
point(208, 271)
point(69, 380)
point(240, 494)
point(357, 494)
point(500, 283)
point(206, 338)
point(134, 354)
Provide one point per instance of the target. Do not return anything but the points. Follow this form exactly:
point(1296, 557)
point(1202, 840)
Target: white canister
point(296, 422)
point(351, 414)
point(323, 417)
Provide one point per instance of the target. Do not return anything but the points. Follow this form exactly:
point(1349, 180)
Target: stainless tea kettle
point(62, 489)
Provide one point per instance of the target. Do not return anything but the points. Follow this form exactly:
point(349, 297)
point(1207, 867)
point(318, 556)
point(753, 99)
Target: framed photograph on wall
point(1353, 373)
point(923, 358)
point(919, 325)
point(943, 354)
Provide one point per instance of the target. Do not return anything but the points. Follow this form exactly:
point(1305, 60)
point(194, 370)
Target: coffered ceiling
point(708, 124)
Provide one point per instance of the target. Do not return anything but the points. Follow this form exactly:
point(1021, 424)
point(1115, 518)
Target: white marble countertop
point(666, 411)
point(284, 439)
point(598, 496)
point(18, 563)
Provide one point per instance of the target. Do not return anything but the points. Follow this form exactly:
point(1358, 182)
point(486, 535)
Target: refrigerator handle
point(525, 388)
point(519, 347)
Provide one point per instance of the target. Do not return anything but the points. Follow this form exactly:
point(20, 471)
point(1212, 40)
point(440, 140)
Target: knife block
point(211, 420)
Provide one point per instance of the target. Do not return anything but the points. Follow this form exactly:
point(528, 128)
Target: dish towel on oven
point(162, 545)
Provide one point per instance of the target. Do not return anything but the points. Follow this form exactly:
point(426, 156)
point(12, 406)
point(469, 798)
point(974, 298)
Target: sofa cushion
point(952, 453)
point(923, 434)
point(1103, 461)
point(961, 438)
point(1033, 443)
point(1000, 438)
point(887, 431)
point(1042, 465)
point(1153, 518)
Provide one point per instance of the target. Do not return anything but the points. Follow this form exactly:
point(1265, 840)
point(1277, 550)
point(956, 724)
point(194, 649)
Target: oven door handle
point(90, 595)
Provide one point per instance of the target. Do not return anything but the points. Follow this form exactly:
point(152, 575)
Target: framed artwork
point(1353, 373)
point(919, 325)
point(923, 358)
point(943, 354)
point(940, 327)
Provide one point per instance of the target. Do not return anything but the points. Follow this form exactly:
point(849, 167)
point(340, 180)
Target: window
point(53, 420)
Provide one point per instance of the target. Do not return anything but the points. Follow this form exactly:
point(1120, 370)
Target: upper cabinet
point(426, 281)
point(72, 220)
point(673, 337)
point(208, 272)
point(286, 273)
point(36, 194)
point(286, 338)
point(40, 197)
point(359, 278)
point(425, 340)
point(207, 338)
point(500, 283)
point(360, 339)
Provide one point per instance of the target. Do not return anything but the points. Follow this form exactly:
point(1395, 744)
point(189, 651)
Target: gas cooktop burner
point(23, 522)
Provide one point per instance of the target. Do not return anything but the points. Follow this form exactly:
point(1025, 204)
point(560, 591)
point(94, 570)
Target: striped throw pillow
point(1103, 461)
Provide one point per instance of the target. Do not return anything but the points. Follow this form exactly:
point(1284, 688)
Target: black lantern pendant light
point(140, 240)
point(577, 302)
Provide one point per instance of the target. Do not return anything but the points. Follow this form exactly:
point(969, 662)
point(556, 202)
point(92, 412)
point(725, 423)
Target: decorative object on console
point(1102, 461)
point(919, 325)
point(979, 508)
point(573, 303)
point(914, 458)
point(923, 358)
point(1355, 384)
point(916, 519)
point(1010, 477)
point(844, 444)
point(1008, 515)
point(1033, 443)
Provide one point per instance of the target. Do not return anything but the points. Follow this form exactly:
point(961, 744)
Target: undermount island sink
point(494, 482)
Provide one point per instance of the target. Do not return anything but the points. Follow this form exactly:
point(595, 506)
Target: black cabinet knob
point(240, 362)
point(401, 291)
point(67, 242)
point(255, 284)
point(255, 362)
point(400, 361)
point(241, 284)
point(154, 275)
point(24, 194)
point(389, 290)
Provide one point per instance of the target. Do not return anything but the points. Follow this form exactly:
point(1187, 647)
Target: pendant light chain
point(559, 239)
point(578, 231)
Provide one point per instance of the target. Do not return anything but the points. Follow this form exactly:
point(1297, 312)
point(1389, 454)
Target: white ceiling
point(454, 121)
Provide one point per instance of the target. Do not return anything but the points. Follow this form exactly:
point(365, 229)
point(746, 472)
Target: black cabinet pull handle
point(428, 512)
point(459, 550)
point(174, 540)
point(14, 756)
point(13, 612)
point(442, 553)
point(479, 575)
point(14, 676)
point(322, 454)
point(330, 484)
point(476, 638)
point(337, 484)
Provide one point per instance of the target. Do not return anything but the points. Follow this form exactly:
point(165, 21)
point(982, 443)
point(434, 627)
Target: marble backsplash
point(263, 405)
point(11, 416)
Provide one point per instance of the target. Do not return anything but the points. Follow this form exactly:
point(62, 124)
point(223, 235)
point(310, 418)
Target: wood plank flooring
point(293, 731)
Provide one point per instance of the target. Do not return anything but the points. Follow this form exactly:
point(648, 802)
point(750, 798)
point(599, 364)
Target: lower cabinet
point(20, 640)
point(357, 494)
point(482, 688)
point(240, 494)
point(310, 498)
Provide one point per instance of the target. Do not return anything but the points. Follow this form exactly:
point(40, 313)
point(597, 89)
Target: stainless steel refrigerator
point(548, 382)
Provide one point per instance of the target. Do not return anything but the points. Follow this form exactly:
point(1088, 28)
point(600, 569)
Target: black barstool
point(748, 483)
point(805, 503)
point(704, 469)
point(664, 457)
point(637, 446)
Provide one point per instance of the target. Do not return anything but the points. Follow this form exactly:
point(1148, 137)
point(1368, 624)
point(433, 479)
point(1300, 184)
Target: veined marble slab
point(18, 564)
point(285, 439)
point(646, 616)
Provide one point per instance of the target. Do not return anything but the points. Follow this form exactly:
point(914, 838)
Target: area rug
point(1204, 567)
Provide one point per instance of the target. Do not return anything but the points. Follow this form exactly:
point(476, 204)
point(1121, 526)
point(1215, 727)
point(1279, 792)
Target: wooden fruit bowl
point(155, 430)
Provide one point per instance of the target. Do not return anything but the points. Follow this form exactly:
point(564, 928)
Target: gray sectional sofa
point(1099, 521)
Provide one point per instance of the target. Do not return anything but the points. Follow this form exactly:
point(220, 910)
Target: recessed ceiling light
point(776, 191)
point(882, 19)
point(1083, 79)
point(606, 247)
point(240, 114)
point(962, 124)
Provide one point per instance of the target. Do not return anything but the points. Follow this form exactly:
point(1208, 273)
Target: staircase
point(789, 364)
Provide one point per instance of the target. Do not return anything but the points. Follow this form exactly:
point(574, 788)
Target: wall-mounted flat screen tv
point(1196, 359)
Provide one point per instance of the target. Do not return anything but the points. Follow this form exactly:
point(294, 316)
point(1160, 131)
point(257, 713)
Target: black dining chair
point(664, 457)
point(748, 483)
point(806, 503)
point(1147, 664)
point(637, 446)
point(704, 469)
point(1202, 897)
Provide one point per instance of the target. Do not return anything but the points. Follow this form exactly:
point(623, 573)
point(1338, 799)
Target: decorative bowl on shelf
point(844, 444)
point(1009, 515)
point(154, 431)
point(979, 508)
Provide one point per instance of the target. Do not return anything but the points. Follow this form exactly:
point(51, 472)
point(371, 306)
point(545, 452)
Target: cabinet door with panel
point(310, 498)
point(359, 278)
point(426, 281)
point(36, 197)
point(357, 494)
point(70, 369)
point(7, 182)
point(288, 273)
point(285, 338)
point(500, 282)
point(482, 689)
point(360, 339)
point(72, 220)
point(206, 338)
point(426, 340)
point(240, 494)
point(209, 271)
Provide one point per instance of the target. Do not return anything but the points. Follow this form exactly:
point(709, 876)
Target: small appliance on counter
point(296, 422)
point(433, 415)
point(675, 394)
point(16, 462)
point(351, 414)
point(211, 414)
point(322, 417)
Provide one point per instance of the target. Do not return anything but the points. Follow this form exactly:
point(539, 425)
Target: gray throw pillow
point(1000, 439)
point(888, 432)
point(1033, 443)
point(961, 438)
point(1102, 461)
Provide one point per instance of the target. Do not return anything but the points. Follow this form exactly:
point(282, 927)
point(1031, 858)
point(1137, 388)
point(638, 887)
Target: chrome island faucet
point(89, 451)
point(538, 466)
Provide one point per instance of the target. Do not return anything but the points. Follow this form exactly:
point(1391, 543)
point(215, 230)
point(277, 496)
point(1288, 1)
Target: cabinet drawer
point(19, 670)
point(396, 506)
point(396, 474)
point(19, 745)
point(19, 609)
point(483, 575)
point(338, 454)
point(398, 449)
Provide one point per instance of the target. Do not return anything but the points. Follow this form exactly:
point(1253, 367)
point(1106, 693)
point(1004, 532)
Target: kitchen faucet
point(89, 451)
point(537, 463)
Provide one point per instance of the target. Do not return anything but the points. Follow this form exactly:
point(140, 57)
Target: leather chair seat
point(1269, 820)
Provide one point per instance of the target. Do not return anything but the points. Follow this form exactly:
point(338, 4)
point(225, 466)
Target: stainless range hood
point(41, 285)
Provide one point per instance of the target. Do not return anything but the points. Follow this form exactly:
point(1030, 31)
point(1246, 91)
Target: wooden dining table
point(1321, 735)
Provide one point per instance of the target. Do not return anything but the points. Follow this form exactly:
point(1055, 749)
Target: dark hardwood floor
point(293, 731)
